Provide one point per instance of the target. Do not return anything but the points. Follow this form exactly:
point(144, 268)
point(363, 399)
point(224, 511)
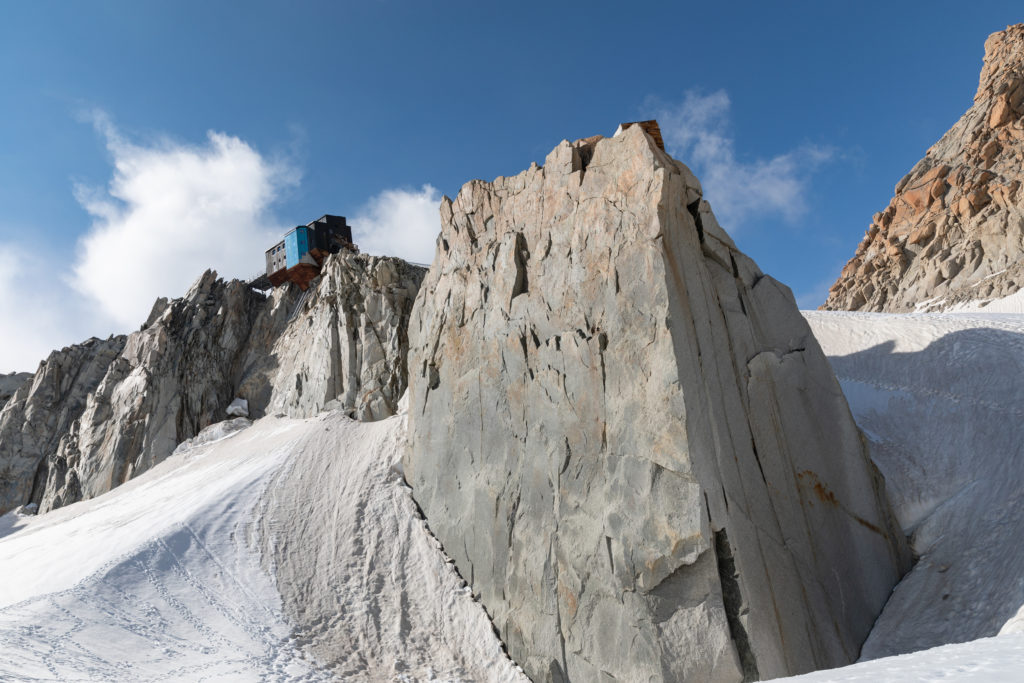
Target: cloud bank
point(697, 131)
point(403, 223)
point(31, 312)
point(169, 212)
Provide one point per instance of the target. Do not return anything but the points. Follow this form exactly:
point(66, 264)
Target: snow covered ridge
point(941, 400)
point(285, 550)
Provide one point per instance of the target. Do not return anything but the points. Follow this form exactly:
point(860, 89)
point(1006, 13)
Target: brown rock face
point(954, 232)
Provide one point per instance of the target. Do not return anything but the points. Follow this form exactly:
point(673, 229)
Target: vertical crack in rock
point(520, 256)
point(735, 609)
point(739, 283)
point(694, 209)
point(760, 467)
point(557, 672)
point(39, 481)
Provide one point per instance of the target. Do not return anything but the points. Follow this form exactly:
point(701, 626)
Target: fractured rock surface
point(348, 341)
point(41, 412)
point(100, 413)
point(627, 438)
point(954, 232)
point(173, 378)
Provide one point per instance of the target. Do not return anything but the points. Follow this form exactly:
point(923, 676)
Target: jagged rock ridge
point(954, 232)
point(100, 413)
point(627, 438)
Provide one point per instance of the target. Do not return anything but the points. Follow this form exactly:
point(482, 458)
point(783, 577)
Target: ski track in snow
point(153, 581)
point(163, 579)
point(941, 400)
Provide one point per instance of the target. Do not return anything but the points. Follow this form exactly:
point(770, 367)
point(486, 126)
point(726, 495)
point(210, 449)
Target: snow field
point(239, 558)
point(371, 593)
point(155, 580)
point(988, 660)
point(941, 399)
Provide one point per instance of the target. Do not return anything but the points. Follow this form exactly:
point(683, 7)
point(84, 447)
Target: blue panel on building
point(291, 248)
point(296, 244)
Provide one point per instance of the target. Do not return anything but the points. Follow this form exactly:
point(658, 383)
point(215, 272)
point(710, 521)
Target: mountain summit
point(954, 232)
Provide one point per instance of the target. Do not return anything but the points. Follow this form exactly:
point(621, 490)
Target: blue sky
point(143, 141)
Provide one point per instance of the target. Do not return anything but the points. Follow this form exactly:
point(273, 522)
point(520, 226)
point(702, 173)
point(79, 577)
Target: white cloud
point(171, 211)
point(698, 132)
point(39, 313)
point(402, 223)
point(26, 325)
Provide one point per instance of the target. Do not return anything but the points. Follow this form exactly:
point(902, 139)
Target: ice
point(238, 408)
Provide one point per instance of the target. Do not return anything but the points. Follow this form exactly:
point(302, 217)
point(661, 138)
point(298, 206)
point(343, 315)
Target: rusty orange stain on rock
point(820, 490)
point(567, 595)
point(826, 496)
point(865, 523)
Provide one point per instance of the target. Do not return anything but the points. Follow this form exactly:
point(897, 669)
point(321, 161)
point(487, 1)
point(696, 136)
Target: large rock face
point(954, 232)
point(628, 439)
point(98, 414)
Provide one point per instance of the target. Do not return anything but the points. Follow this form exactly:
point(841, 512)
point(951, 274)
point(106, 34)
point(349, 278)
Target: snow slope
point(370, 591)
point(164, 578)
point(941, 399)
point(1014, 303)
point(988, 660)
point(154, 580)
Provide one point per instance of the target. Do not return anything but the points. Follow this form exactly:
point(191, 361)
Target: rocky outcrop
point(627, 438)
point(10, 383)
point(174, 377)
point(342, 343)
point(40, 412)
point(954, 232)
point(348, 343)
